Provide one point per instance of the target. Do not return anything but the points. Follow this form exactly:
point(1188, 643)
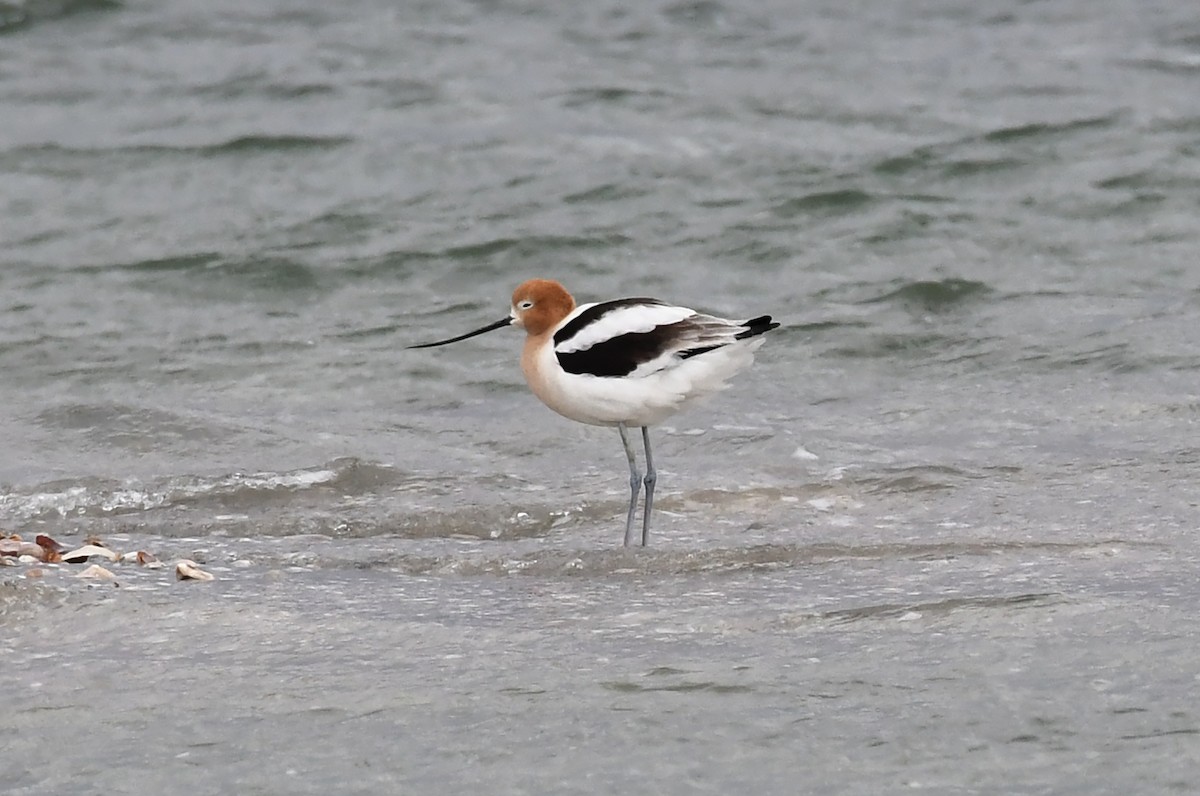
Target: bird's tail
point(756, 326)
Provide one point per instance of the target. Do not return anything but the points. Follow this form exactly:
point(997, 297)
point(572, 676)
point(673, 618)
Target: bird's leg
point(651, 477)
point(635, 483)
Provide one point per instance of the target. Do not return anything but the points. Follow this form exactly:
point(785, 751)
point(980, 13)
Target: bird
point(629, 363)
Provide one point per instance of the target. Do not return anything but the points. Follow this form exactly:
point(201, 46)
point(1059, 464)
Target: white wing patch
point(632, 319)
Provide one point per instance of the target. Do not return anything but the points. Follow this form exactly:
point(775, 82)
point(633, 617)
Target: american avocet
point(626, 363)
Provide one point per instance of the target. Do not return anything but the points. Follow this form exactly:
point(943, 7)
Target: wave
point(103, 498)
point(1002, 149)
point(841, 201)
point(349, 498)
point(218, 277)
point(935, 296)
point(252, 143)
point(1043, 130)
point(15, 16)
point(665, 560)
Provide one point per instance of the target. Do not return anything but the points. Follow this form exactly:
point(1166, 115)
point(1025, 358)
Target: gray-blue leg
point(651, 477)
point(635, 483)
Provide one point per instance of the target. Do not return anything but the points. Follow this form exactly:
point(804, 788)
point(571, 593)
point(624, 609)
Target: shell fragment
point(97, 572)
point(79, 555)
point(143, 558)
point(186, 569)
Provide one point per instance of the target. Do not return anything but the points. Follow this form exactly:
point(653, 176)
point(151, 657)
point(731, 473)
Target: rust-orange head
point(538, 305)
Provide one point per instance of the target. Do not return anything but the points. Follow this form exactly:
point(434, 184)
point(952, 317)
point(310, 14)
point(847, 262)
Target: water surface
point(941, 537)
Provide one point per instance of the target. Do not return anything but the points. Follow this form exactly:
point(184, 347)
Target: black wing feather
point(620, 355)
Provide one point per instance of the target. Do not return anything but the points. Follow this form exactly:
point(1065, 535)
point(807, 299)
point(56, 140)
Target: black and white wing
point(639, 336)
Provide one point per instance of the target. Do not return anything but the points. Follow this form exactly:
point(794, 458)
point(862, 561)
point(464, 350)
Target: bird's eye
point(525, 305)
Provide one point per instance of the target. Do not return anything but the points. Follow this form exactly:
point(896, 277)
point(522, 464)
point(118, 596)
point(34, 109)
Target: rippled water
point(941, 537)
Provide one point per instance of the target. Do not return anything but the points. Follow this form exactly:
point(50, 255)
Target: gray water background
point(940, 538)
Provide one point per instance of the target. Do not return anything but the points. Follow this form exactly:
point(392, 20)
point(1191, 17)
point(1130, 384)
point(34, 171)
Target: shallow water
point(940, 537)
